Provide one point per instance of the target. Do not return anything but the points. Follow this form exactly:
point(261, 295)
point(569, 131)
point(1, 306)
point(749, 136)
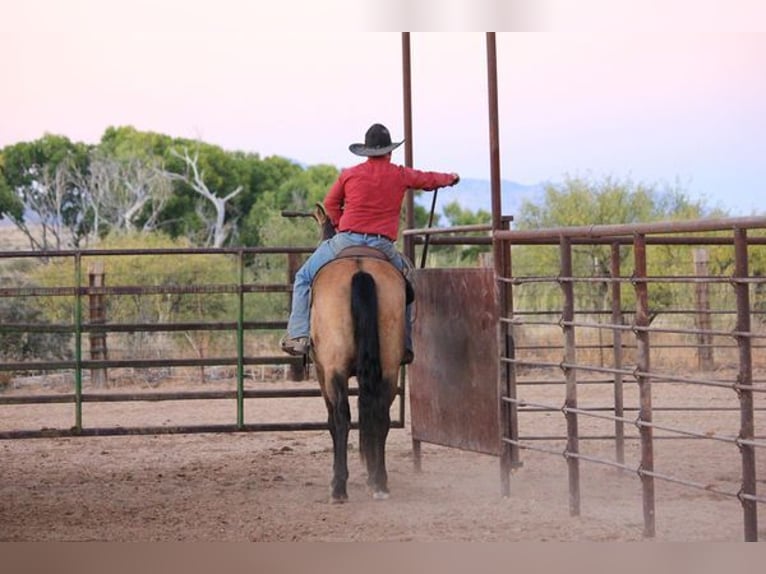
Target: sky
point(671, 94)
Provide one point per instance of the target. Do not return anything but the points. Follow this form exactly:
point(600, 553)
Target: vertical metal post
point(702, 304)
point(745, 379)
point(570, 374)
point(506, 378)
point(241, 341)
point(616, 287)
point(409, 200)
point(504, 338)
point(506, 293)
point(494, 131)
point(97, 316)
point(644, 382)
point(78, 340)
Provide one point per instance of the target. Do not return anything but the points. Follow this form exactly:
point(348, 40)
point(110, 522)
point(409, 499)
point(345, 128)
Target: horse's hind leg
point(339, 421)
point(375, 449)
point(377, 476)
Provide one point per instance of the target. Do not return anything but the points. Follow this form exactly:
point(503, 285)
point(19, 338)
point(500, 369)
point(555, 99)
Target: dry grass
point(11, 238)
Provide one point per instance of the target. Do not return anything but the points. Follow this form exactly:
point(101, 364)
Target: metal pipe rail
point(628, 232)
point(479, 227)
point(634, 469)
point(172, 430)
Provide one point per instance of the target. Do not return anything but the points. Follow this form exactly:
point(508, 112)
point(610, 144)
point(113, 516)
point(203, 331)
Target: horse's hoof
point(379, 495)
point(338, 498)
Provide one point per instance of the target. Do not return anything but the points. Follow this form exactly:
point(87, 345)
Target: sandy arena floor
point(275, 486)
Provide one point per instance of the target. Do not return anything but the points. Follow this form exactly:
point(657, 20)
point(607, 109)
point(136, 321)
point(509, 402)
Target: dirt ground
point(275, 486)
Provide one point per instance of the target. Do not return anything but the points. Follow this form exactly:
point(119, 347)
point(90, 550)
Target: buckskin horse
point(357, 329)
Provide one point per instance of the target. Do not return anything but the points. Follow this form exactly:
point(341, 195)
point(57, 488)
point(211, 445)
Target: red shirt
point(367, 198)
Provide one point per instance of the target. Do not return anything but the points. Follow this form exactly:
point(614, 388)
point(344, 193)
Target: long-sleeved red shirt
point(367, 198)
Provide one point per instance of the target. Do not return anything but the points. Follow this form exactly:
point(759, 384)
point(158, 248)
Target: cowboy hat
point(377, 142)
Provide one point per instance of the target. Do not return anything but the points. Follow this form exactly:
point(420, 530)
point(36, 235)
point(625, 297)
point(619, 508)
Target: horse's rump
point(332, 326)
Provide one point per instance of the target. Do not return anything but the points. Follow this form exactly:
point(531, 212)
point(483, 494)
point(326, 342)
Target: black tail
point(373, 397)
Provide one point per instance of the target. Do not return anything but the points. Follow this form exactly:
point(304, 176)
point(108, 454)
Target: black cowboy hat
point(377, 142)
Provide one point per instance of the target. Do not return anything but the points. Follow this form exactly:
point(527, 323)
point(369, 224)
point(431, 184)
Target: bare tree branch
point(218, 228)
point(118, 192)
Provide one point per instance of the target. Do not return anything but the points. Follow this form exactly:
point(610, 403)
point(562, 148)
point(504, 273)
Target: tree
point(180, 186)
point(299, 191)
point(122, 195)
point(581, 201)
point(38, 189)
point(217, 227)
point(11, 205)
point(264, 177)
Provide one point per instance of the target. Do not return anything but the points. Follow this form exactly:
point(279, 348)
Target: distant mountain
point(475, 194)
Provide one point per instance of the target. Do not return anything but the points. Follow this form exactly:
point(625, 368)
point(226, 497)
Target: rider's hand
point(456, 180)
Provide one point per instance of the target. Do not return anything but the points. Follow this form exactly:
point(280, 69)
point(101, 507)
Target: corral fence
point(591, 324)
point(596, 341)
point(613, 335)
point(78, 324)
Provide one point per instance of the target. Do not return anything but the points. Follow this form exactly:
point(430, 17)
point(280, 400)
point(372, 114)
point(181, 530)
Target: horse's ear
point(319, 213)
point(327, 229)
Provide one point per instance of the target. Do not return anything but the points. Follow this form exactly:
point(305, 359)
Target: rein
point(428, 236)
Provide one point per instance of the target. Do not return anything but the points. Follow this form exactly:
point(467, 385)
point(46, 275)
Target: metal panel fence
point(152, 314)
point(651, 355)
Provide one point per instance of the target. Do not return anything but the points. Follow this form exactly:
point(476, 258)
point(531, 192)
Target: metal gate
point(248, 343)
point(453, 380)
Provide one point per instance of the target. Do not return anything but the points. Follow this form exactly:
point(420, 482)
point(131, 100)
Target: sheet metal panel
point(453, 380)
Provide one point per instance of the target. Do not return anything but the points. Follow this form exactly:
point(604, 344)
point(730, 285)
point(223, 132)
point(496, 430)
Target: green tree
point(299, 191)
point(580, 202)
point(11, 205)
point(457, 216)
point(38, 193)
point(203, 205)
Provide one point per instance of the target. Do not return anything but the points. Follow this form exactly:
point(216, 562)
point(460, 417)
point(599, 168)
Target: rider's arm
point(333, 202)
point(427, 180)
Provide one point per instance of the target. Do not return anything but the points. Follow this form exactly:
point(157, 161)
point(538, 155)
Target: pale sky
point(608, 89)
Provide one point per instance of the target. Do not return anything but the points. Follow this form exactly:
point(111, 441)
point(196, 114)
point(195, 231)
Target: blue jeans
point(298, 324)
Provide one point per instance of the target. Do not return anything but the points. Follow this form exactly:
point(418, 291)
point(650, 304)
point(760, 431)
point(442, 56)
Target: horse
point(357, 329)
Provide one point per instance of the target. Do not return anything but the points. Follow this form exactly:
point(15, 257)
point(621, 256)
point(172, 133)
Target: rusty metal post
point(501, 251)
point(702, 304)
point(409, 200)
point(510, 346)
point(494, 131)
point(616, 288)
point(508, 412)
point(570, 373)
point(643, 364)
point(745, 379)
point(297, 372)
point(97, 316)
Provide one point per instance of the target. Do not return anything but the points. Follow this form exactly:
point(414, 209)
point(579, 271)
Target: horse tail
point(373, 399)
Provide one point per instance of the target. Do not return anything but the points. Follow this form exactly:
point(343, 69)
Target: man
point(363, 205)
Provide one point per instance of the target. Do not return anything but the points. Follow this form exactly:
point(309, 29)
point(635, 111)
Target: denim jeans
point(298, 324)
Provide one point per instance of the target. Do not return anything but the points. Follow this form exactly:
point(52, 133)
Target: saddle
point(362, 251)
point(367, 251)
